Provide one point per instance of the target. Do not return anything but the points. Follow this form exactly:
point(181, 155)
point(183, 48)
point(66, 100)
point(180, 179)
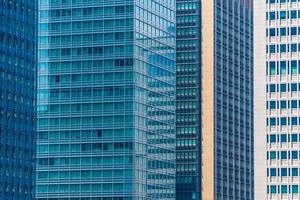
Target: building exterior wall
point(282, 99)
point(106, 100)
point(188, 112)
point(17, 103)
point(233, 102)
point(260, 164)
point(224, 101)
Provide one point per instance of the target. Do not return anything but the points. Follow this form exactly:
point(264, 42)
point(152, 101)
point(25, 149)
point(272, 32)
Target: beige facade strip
point(260, 164)
point(207, 99)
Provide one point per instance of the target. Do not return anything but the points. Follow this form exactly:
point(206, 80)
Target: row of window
point(86, 147)
point(281, 1)
point(103, 92)
point(85, 134)
point(119, 120)
point(284, 155)
point(86, 12)
point(273, 138)
point(283, 104)
point(82, 65)
point(81, 78)
point(283, 31)
point(84, 174)
point(291, 14)
point(86, 107)
point(283, 189)
point(76, 188)
point(283, 67)
point(283, 48)
point(283, 172)
point(85, 38)
point(83, 161)
point(283, 87)
point(283, 121)
point(85, 51)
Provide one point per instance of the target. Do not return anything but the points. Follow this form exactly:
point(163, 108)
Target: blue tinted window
point(272, 16)
point(273, 172)
point(282, 87)
point(273, 189)
point(294, 171)
point(284, 172)
point(294, 154)
point(294, 88)
point(272, 104)
point(294, 138)
point(295, 189)
point(283, 137)
point(272, 88)
point(272, 49)
point(283, 189)
point(294, 47)
point(272, 31)
point(294, 121)
point(282, 15)
point(283, 31)
point(273, 138)
point(283, 104)
point(283, 154)
point(294, 31)
point(272, 121)
point(293, 14)
point(283, 48)
point(272, 155)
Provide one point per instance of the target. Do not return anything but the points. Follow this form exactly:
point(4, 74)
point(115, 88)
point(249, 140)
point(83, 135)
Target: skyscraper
point(278, 120)
point(188, 93)
point(17, 93)
point(215, 100)
point(106, 100)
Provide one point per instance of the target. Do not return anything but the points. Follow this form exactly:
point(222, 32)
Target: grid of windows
point(233, 93)
point(106, 96)
point(188, 94)
point(17, 93)
point(282, 75)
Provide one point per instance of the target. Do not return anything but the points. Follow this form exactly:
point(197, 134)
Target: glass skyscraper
point(215, 100)
point(106, 100)
point(188, 98)
point(17, 93)
point(280, 67)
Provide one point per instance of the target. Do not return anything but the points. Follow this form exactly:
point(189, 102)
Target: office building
point(106, 100)
point(215, 100)
point(277, 99)
point(188, 97)
point(17, 93)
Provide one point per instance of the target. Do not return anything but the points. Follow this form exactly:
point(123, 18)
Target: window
point(294, 137)
point(283, 189)
point(273, 138)
point(283, 138)
point(273, 172)
point(283, 155)
point(295, 189)
point(294, 171)
point(283, 172)
point(294, 154)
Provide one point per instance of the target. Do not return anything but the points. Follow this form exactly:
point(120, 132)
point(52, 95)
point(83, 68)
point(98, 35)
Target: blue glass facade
point(233, 91)
point(230, 68)
point(17, 93)
point(106, 100)
point(188, 99)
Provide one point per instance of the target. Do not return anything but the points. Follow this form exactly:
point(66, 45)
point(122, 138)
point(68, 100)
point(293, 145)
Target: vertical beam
point(207, 99)
point(260, 168)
